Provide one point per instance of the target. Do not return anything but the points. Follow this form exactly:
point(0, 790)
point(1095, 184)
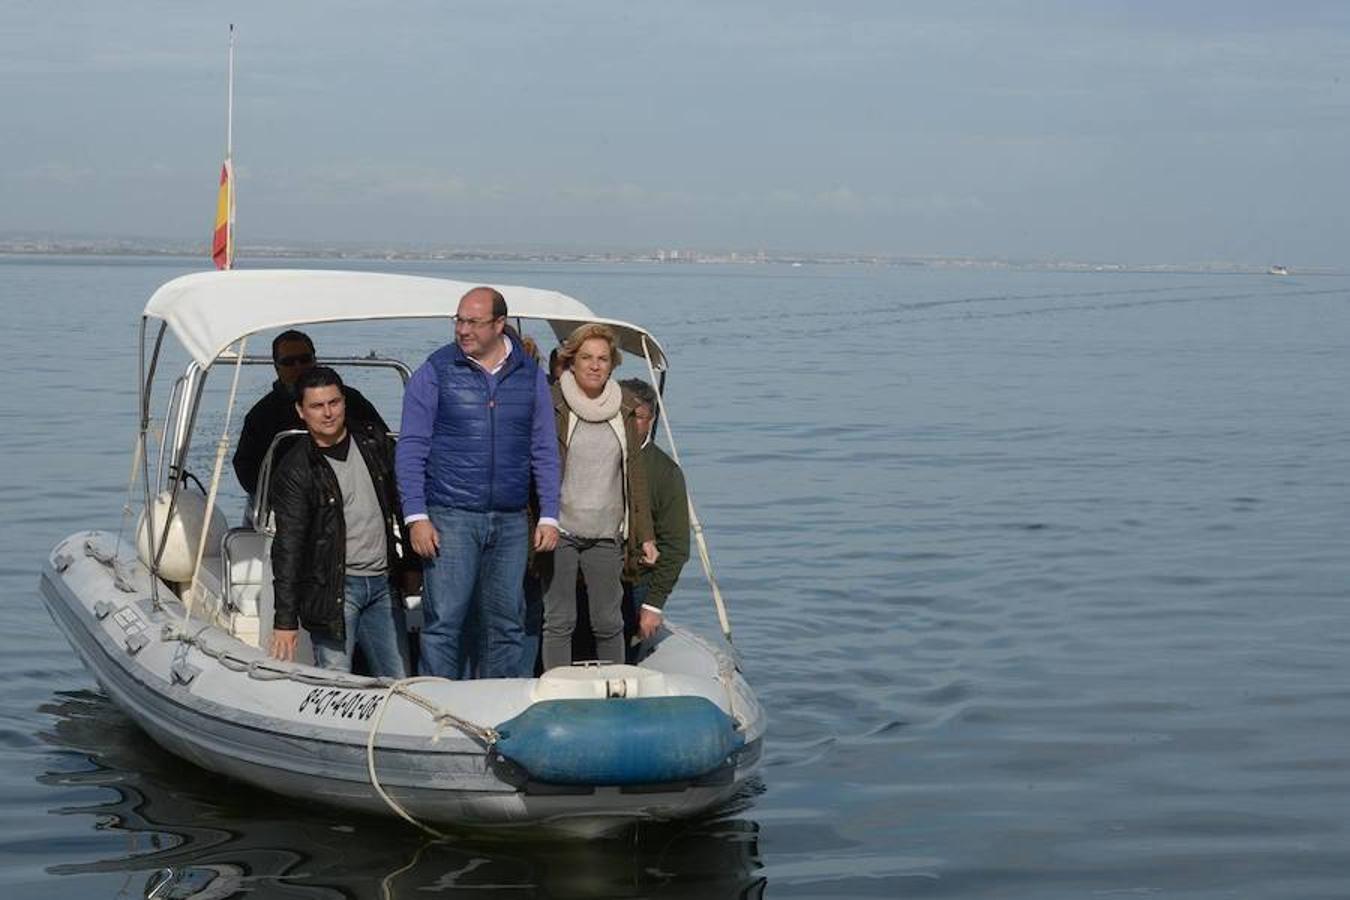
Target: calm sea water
point(1041, 576)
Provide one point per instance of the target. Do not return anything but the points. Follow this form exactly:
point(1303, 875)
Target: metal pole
point(143, 389)
point(229, 100)
point(229, 159)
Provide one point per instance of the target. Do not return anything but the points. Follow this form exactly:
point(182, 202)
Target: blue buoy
point(643, 740)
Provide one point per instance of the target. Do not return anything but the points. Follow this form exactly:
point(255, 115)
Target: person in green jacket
point(670, 515)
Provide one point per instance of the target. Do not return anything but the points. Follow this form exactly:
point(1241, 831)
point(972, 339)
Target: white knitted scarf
point(601, 409)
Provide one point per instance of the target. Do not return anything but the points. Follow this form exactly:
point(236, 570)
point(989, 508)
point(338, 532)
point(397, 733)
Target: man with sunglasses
point(293, 356)
point(477, 438)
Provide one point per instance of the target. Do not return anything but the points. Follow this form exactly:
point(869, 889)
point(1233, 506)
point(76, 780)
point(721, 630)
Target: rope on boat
point(441, 717)
point(694, 522)
point(268, 669)
point(726, 674)
point(221, 447)
point(265, 669)
point(727, 667)
point(109, 559)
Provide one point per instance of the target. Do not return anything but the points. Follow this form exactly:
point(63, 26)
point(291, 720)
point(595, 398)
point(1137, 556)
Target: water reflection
point(193, 834)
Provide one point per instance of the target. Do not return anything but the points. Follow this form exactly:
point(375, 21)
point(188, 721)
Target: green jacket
point(670, 520)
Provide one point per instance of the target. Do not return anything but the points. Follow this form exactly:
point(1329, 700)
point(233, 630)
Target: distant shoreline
point(116, 250)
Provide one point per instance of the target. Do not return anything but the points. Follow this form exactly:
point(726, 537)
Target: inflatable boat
point(172, 615)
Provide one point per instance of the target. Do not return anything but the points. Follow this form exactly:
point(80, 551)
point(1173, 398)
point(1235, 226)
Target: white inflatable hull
point(309, 740)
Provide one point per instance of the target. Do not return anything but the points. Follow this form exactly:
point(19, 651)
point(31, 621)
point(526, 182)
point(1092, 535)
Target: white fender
point(180, 547)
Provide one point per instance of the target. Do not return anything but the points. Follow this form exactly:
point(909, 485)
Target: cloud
point(59, 174)
point(627, 196)
point(349, 181)
point(844, 201)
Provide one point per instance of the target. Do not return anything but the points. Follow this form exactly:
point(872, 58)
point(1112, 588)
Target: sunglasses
point(298, 359)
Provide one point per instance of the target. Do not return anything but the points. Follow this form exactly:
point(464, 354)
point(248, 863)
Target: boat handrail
point(260, 511)
point(184, 403)
point(193, 380)
point(370, 361)
point(170, 410)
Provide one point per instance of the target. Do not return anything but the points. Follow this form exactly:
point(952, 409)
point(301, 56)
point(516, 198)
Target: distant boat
point(1278, 270)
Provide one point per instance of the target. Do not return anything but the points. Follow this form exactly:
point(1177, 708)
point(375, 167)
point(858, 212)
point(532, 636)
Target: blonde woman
point(605, 510)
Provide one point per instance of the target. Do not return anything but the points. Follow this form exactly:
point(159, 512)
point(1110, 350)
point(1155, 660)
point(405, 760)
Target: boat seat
point(246, 558)
point(586, 681)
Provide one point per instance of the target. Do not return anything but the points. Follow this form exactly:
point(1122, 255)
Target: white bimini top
point(208, 311)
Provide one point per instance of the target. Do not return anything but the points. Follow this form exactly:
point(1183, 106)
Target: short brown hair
point(586, 332)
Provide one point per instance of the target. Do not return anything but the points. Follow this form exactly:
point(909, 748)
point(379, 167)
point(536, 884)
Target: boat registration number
point(340, 704)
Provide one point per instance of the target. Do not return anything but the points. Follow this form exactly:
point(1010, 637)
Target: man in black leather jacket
point(337, 549)
point(292, 356)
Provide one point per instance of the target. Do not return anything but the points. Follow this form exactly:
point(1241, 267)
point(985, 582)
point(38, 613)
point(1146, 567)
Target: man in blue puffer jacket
point(477, 433)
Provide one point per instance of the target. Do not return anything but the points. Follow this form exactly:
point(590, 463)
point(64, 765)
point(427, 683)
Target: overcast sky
point(1136, 131)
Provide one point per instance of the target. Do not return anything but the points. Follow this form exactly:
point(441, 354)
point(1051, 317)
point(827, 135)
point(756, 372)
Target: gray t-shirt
point(367, 552)
point(592, 487)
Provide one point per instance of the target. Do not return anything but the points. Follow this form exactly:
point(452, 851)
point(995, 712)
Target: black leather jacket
point(310, 547)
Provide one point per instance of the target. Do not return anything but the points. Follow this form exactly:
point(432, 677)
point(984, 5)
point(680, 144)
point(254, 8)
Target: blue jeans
point(480, 567)
point(473, 647)
point(372, 616)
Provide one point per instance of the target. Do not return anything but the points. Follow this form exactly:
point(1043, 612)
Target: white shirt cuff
point(548, 520)
point(415, 517)
point(655, 609)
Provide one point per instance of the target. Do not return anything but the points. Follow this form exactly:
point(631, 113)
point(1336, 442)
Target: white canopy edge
point(209, 311)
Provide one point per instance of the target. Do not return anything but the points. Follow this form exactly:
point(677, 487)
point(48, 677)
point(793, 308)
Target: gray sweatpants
point(601, 563)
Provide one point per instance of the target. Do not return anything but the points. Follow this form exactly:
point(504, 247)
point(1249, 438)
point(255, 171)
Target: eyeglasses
point(473, 323)
point(298, 359)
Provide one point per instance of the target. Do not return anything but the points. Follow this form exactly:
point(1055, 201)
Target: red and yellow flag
point(222, 242)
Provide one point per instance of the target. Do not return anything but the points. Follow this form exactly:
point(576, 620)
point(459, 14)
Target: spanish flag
point(222, 242)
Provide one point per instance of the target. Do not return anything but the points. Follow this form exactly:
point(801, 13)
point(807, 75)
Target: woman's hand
point(649, 554)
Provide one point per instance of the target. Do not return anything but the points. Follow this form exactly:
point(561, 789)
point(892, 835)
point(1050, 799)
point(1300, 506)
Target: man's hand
point(649, 553)
point(426, 541)
point(545, 538)
point(284, 642)
point(648, 621)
